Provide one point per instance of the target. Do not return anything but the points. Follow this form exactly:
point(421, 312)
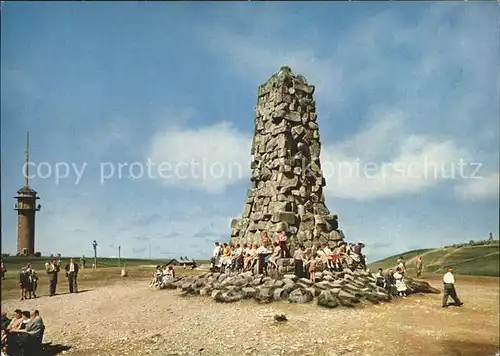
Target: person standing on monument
point(52, 270)
point(273, 260)
point(449, 289)
point(298, 261)
point(282, 240)
point(72, 273)
point(265, 240)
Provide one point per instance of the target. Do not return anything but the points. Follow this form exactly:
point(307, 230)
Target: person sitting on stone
point(252, 257)
point(232, 258)
point(238, 258)
point(27, 338)
point(329, 255)
point(171, 272)
point(226, 255)
point(275, 255)
point(156, 276)
point(390, 283)
point(247, 255)
point(5, 324)
point(380, 278)
point(24, 319)
point(343, 253)
point(5, 321)
point(263, 257)
point(16, 321)
point(337, 266)
point(14, 324)
point(322, 257)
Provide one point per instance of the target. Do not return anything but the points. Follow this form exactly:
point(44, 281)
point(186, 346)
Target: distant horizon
point(145, 258)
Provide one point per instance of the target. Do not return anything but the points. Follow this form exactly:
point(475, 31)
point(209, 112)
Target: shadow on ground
point(79, 292)
point(469, 348)
point(50, 349)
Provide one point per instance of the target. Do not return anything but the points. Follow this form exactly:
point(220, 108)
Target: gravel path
point(131, 319)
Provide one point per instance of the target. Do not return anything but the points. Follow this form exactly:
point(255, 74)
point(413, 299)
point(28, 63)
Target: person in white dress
point(400, 283)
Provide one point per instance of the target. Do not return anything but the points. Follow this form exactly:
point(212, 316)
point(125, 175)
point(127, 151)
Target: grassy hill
point(14, 263)
point(467, 260)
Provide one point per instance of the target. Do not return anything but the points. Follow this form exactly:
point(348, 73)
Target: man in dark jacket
point(52, 269)
point(72, 272)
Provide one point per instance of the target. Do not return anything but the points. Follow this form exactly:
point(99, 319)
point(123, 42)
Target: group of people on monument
point(161, 275)
point(239, 258)
point(266, 255)
point(23, 333)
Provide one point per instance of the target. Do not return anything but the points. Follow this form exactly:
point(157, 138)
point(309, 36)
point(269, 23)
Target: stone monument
point(287, 180)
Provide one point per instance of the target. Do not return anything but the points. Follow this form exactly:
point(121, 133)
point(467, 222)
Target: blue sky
point(397, 84)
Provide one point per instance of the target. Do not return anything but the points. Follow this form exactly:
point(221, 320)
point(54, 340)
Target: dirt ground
point(128, 318)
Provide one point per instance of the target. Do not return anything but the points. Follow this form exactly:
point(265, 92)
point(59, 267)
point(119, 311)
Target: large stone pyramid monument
point(287, 193)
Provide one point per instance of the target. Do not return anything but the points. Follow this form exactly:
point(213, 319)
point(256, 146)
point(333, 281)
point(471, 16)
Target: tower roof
point(26, 189)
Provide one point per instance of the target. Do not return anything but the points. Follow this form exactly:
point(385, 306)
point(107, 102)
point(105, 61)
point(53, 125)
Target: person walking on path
point(449, 289)
point(418, 265)
point(72, 272)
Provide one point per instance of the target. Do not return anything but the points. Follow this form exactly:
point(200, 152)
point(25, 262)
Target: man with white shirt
point(72, 273)
point(449, 289)
point(216, 254)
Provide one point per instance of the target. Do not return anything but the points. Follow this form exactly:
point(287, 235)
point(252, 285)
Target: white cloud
point(353, 170)
point(209, 158)
point(380, 161)
point(480, 188)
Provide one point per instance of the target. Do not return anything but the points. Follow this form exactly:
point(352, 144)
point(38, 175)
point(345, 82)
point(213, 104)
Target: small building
point(182, 262)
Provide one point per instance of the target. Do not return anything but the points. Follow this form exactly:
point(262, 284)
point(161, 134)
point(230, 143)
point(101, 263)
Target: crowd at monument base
point(345, 288)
